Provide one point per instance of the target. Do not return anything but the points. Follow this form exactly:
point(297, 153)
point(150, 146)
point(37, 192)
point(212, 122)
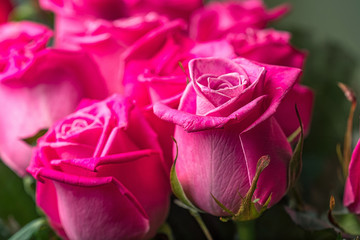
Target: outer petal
point(352, 187)
point(101, 206)
point(268, 139)
point(223, 162)
point(47, 91)
point(278, 82)
point(147, 179)
point(303, 98)
point(170, 8)
point(106, 9)
point(221, 48)
point(46, 198)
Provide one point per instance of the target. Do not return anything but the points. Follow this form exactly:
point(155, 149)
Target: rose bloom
point(82, 9)
point(225, 124)
point(106, 41)
point(38, 85)
point(217, 19)
point(352, 186)
point(273, 47)
point(170, 8)
point(101, 173)
point(156, 69)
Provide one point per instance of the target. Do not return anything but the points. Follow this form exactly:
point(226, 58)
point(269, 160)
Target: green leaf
point(349, 222)
point(33, 140)
point(296, 159)
point(176, 187)
point(15, 204)
point(29, 230)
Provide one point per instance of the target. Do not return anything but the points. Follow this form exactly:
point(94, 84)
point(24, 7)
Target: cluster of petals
point(121, 78)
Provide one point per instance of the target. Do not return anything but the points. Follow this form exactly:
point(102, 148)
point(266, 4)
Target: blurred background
point(329, 31)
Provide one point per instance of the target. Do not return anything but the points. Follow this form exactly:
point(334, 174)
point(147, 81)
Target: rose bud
point(101, 174)
point(225, 124)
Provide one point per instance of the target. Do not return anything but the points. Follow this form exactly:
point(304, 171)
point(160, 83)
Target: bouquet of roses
point(127, 101)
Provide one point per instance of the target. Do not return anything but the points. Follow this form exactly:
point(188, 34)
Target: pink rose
point(217, 19)
point(5, 9)
point(225, 124)
point(170, 8)
point(352, 186)
point(103, 9)
point(153, 73)
point(101, 174)
point(273, 47)
point(106, 41)
point(267, 46)
point(71, 16)
point(38, 85)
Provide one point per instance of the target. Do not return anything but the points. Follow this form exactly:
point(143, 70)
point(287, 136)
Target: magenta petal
point(46, 198)
point(268, 139)
point(106, 198)
point(303, 98)
point(352, 187)
point(147, 179)
point(223, 162)
point(189, 122)
point(278, 82)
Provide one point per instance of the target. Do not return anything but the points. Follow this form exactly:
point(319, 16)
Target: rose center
point(76, 126)
point(220, 89)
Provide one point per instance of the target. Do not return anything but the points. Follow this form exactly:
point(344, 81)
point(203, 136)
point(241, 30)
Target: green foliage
point(33, 139)
point(27, 232)
point(37, 229)
point(16, 207)
point(349, 222)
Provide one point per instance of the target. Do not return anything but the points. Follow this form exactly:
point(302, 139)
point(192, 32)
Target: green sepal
point(251, 212)
point(183, 69)
point(248, 210)
point(222, 206)
point(176, 187)
point(295, 164)
point(32, 141)
point(294, 135)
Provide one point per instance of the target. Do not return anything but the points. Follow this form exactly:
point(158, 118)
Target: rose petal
point(303, 98)
point(351, 197)
point(105, 198)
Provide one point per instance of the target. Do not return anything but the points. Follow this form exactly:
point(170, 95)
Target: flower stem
point(246, 230)
point(202, 225)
